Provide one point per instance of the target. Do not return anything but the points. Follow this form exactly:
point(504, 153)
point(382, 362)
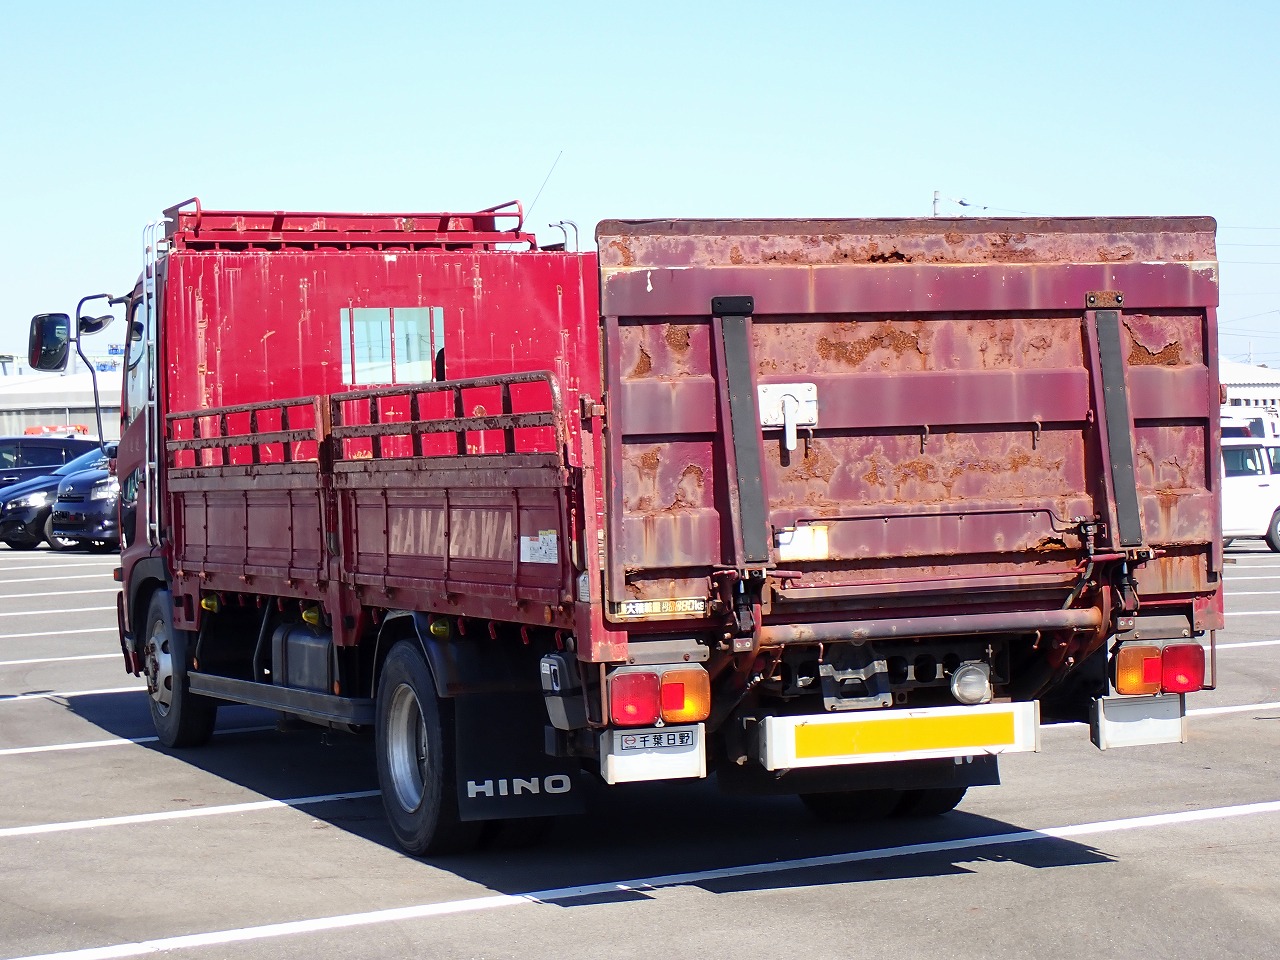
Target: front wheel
point(181, 718)
point(414, 741)
point(1273, 533)
point(22, 544)
point(57, 543)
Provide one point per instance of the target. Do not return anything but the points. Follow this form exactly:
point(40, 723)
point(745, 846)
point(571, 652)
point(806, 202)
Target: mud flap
point(502, 768)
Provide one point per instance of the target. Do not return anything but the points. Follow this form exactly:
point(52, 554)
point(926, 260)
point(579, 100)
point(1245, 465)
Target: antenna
point(544, 184)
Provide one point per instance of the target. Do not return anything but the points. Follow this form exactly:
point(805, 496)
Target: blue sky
point(112, 111)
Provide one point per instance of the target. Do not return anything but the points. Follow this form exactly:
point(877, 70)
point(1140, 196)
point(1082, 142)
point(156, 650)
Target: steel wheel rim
point(407, 747)
point(159, 668)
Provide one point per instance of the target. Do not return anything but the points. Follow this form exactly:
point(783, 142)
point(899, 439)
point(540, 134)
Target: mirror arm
point(93, 374)
point(97, 401)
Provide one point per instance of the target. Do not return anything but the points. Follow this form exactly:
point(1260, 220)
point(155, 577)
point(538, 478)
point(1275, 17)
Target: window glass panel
point(413, 343)
point(1242, 461)
point(387, 345)
point(41, 455)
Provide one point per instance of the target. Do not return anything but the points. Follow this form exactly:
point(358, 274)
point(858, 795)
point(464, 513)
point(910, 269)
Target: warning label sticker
point(694, 606)
point(544, 548)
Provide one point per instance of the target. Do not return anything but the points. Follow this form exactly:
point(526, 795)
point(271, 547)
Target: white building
point(35, 399)
point(1249, 386)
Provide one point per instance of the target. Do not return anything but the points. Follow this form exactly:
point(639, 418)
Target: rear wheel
point(416, 770)
point(57, 543)
point(929, 803)
point(1273, 533)
point(181, 718)
point(22, 544)
point(853, 806)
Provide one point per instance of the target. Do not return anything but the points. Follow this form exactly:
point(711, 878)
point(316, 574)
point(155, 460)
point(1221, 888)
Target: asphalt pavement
point(270, 841)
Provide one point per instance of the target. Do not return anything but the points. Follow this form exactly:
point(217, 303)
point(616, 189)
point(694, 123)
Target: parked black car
point(27, 457)
point(87, 510)
point(26, 508)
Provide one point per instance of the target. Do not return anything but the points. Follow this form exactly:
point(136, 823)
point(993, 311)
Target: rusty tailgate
point(897, 413)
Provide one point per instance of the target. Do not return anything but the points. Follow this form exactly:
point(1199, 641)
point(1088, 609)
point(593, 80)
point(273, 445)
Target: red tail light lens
point(635, 699)
point(1183, 668)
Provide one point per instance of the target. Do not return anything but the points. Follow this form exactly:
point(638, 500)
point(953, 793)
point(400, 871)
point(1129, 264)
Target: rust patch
point(855, 352)
point(735, 255)
point(624, 251)
point(893, 256)
point(1109, 255)
point(818, 464)
point(953, 238)
point(678, 338)
point(643, 366)
point(689, 490)
point(648, 461)
point(1169, 356)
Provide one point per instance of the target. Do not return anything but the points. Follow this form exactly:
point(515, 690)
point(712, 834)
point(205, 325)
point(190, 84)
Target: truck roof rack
point(190, 227)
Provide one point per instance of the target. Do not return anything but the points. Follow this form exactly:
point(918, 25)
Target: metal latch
point(788, 405)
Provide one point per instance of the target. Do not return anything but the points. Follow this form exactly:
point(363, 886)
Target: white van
point(1256, 422)
point(1251, 489)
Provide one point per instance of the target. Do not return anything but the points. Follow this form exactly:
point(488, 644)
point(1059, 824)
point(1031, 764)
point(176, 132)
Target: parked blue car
point(26, 508)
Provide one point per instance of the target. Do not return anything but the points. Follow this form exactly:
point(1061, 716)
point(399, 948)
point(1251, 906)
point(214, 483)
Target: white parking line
point(91, 576)
point(554, 895)
point(45, 613)
point(87, 656)
point(57, 695)
point(83, 565)
point(1234, 579)
point(1252, 613)
point(57, 593)
point(1238, 708)
point(114, 742)
point(1251, 593)
point(42, 828)
point(1248, 643)
point(57, 633)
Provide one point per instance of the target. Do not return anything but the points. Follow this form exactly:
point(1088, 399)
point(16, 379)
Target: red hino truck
point(833, 508)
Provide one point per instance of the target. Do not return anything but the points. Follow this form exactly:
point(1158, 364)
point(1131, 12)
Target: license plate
point(662, 740)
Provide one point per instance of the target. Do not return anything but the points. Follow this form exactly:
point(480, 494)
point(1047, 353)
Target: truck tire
point(414, 741)
point(22, 544)
point(181, 718)
point(1273, 533)
point(852, 806)
point(929, 803)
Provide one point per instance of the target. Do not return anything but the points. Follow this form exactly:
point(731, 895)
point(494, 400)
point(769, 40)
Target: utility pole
point(935, 203)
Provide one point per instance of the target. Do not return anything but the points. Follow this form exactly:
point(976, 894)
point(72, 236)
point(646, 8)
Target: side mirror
point(136, 330)
point(92, 325)
point(49, 343)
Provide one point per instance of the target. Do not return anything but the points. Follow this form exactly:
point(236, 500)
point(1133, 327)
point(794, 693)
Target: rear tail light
point(635, 699)
point(642, 697)
point(1183, 668)
point(1147, 669)
point(1138, 669)
point(686, 695)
